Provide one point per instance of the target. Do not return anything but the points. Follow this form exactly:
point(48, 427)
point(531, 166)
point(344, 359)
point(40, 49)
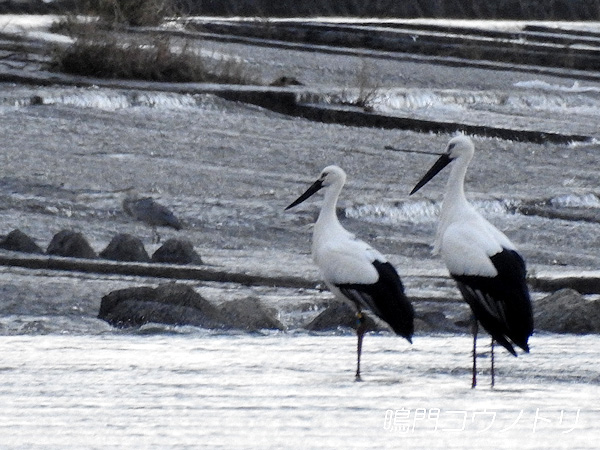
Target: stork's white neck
point(328, 224)
point(455, 205)
point(455, 187)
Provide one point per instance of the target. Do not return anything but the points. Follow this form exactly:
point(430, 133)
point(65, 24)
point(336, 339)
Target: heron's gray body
point(150, 212)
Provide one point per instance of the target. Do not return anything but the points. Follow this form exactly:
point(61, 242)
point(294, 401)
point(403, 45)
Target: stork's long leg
point(155, 236)
point(360, 332)
point(475, 328)
point(492, 356)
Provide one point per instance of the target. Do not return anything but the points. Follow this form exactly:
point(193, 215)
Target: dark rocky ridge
point(565, 311)
point(177, 304)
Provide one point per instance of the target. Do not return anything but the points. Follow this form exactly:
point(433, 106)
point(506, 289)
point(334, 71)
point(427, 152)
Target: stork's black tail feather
point(385, 298)
point(501, 304)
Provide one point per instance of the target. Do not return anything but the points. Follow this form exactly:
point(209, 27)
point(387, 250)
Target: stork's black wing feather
point(501, 304)
point(385, 298)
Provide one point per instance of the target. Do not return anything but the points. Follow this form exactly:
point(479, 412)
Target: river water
point(166, 388)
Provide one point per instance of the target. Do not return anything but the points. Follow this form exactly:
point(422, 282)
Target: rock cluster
point(122, 247)
point(564, 311)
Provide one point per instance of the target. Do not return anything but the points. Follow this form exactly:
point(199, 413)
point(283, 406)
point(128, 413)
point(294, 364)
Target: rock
point(341, 314)
point(286, 81)
point(567, 311)
point(250, 315)
point(70, 243)
point(179, 304)
point(437, 322)
point(177, 251)
point(17, 241)
point(171, 303)
point(428, 319)
point(125, 247)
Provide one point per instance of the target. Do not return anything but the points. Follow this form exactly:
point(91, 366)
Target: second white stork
point(352, 269)
point(485, 264)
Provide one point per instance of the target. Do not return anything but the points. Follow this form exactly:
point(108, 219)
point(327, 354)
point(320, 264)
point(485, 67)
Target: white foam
point(415, 212)
point(533, 97)
point(423, 211)
point(576, 201)
point(114, 100)
point(543, 85)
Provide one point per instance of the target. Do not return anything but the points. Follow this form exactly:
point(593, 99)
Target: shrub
point(160, 58)
point(103, 48)
point(133, 12)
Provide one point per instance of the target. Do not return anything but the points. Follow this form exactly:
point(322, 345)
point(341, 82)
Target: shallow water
point(530, 104)
point(189, 389)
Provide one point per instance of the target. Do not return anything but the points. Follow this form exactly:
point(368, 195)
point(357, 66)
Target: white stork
point(486, 266)
point(352, 269)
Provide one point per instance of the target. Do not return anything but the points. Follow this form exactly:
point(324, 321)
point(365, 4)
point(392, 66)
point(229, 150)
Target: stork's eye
point(451, 146)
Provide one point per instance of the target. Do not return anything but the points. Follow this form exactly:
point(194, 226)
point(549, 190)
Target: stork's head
point(459, 146)
point(330, 176)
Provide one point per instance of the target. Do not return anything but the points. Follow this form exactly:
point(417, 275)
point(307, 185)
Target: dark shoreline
point(455, 9)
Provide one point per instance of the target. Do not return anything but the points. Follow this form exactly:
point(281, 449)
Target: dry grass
point(364, 90)
point(103, 47)
point(115, 14)
point(133, 12)
point(368, 88)
point(159, 58)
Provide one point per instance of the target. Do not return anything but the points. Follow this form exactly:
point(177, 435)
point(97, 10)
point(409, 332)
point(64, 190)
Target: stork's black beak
point(442, 162)
point(315, 187)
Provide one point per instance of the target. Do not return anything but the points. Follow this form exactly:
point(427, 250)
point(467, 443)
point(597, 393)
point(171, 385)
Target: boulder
point(250, 315)
point(70, 243)
point(170, 303)
point(340, 314)
point(179, 304)
point(436, 321)
point(285, 80)
point(177, 251)
point(125, 247)
point(428, 318)
point(567, 311)
point(17, 241)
